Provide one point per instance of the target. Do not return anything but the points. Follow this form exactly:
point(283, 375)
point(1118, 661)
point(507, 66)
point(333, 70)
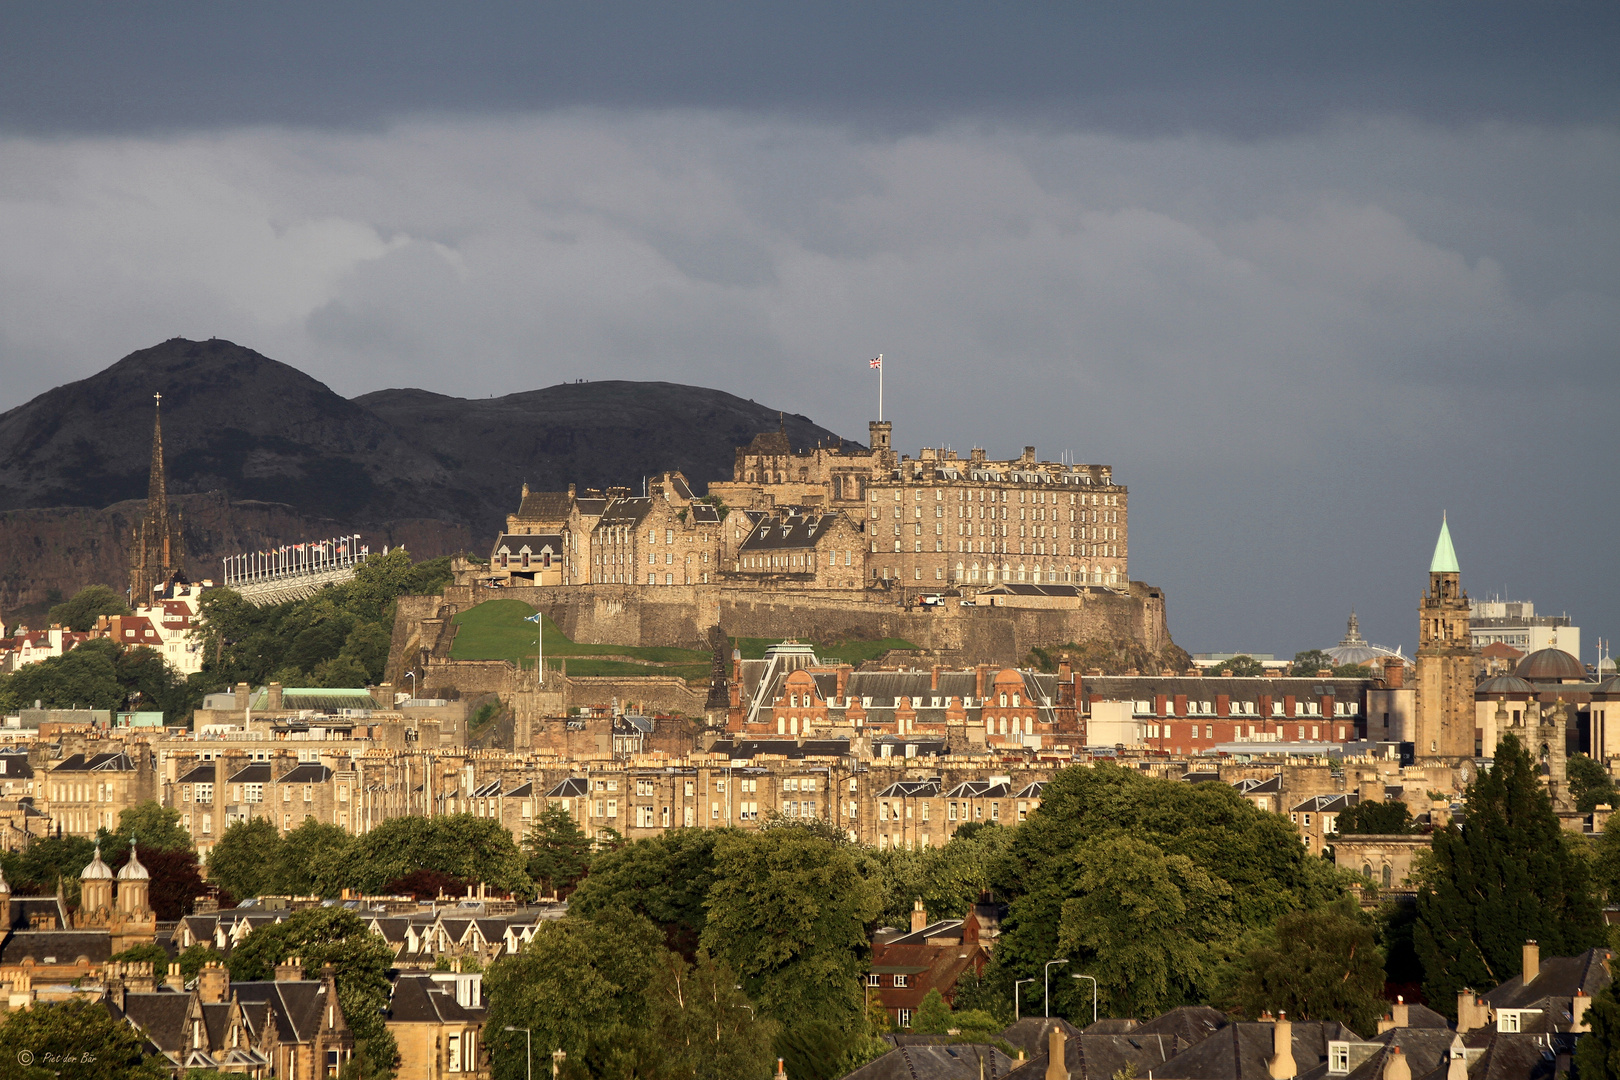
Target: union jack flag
point(876, 361)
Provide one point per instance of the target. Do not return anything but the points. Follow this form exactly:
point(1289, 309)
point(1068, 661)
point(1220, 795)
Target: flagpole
point(880, 386)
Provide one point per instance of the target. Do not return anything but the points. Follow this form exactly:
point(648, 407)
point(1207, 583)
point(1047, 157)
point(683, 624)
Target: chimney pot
point(919, 917)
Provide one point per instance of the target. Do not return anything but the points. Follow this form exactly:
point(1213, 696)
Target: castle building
point(1445, 661)
point(156, 552)
point(935, 522)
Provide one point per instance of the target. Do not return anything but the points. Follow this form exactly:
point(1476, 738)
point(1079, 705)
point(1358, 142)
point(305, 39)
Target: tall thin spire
point(1445, 556)
point(157, 553)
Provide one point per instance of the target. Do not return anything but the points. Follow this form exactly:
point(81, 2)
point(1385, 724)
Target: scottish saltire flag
point(533, 618)
point(876, 361)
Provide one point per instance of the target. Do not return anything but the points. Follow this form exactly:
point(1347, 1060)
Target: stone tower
point(133, 922)
point(1445, 661)
point(156, 555)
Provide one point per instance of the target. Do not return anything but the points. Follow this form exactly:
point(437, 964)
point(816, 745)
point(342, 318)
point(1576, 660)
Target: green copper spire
point(1445, 556)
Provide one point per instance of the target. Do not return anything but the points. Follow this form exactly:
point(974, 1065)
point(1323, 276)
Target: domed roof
point(133, 870)
point(97, 870)
point(1550, 665)
point(1355, 649)
point(1498, 685)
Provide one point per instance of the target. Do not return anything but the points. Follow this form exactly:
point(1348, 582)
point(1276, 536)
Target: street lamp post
point(1016, 984)
point(1093, 994)
point(528, 1050)
point(411, 675)
point(557, 1058)
point(1047, 997)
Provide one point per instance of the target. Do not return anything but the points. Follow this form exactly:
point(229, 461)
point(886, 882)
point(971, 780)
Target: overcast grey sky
point(1305, 274)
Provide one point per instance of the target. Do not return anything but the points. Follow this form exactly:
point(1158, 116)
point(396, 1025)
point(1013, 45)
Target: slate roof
point(572, 788)
point(1559, 979)
point(160, 1016)
point(56, 946)
point(15, 766)
point(201, 774)
point(307, 772)
point(1031, 1033)
point(545, 506)
point(795, 531)
point(960, 1061)
point(1240, 1051)
point(119, 762)
point(514, 543)
point(257, 772)
point(1101, 1057)
point(419, 999)
point(296, 1005)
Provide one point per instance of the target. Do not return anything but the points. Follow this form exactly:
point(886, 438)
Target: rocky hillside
point(260, 454)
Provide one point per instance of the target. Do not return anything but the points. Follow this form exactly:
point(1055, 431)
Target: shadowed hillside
point(389, 464)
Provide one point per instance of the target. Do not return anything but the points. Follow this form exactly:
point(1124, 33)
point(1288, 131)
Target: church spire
point(1445, 556)
point(156, 555)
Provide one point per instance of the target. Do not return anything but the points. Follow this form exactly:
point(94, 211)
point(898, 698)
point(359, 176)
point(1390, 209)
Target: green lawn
point(499, 630)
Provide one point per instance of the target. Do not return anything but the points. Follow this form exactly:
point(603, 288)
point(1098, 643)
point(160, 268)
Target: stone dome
point(1500, 685)
point(133, 870)
point(97, 870)
point(1550, 665)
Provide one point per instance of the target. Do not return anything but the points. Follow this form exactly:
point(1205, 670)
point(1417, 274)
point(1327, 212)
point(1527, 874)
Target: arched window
point(793, 725)
point(781, 726)
point(1366, 871)
point(1388, 875)
point(989, 725)
point(1004, 725)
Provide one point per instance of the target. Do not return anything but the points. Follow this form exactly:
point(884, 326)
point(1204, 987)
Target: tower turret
point(1445, 660)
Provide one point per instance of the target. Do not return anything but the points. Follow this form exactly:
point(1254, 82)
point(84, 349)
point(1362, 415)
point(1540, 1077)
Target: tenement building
point(936, 520)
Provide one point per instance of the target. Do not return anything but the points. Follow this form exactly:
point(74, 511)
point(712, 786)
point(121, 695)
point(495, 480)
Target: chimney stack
point(1578, 1010)
point(241, 702)
point(1056, 1068)
point(273, 702)
point(933, 682)
point(213, 983)
point(1457, 1067)
point(981, 685)
point(1396, 1067)
point(1402, 1013)
point(1532, 961)
point(290, 970)
point(1394, 672)
point(919, 917)
point(1470, 1013)
point(1281, 1066)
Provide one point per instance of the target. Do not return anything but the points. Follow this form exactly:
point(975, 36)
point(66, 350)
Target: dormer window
point(1338, 1058)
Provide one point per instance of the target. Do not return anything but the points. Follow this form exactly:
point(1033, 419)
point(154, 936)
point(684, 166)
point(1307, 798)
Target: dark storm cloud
point(1238, 68)
point(1306, 275)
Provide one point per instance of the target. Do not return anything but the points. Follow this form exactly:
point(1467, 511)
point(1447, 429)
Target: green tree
point(74, 1040)
point(1503, 877)
point(243, 861)
point(933, 1015)
point(1318, 965)
point(85, 678)
point(310, 857)
point(459, 845)
point(578, 986)
point(192, 958)
point(1370, 818)
point(700, 1025)
point(1597, 1053)
point(665, 878)
point(1149, 926)
point(1242, 667)
point(360, 959)
point(1256, 868)
point(45, 861)
point(87, 604)
point(1306, 664)
point(789, 912)
point(154, 826)
point(149, 953)
point(559, 851)
point(1589, 784)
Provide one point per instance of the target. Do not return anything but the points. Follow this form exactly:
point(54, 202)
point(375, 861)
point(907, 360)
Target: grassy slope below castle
point(500, 630)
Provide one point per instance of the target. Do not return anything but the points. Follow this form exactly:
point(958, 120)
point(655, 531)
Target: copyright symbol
point(25, 1056)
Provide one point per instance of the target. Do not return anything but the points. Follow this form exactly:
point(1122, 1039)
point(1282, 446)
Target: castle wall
point(681, 615)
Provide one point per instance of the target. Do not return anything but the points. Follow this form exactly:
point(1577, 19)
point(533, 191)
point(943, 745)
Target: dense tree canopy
point(789, 912)
point(74, 1040)
point(1316, 965)
point(1196, 864)
point(1506, 874)
point(559, 851)
point(1589, 784)
point(338, 637)
point(664, 878)
point(319, 936)
point(1373, 818)
point(81, 611)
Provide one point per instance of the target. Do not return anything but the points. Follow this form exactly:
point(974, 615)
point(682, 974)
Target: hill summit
point(258, 431)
